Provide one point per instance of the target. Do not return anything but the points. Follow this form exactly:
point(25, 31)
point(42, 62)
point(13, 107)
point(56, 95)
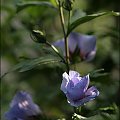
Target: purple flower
point(76, 88)
point(22, 107)
point(86, 45)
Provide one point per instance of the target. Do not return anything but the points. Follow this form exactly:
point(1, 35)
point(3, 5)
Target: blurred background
point(43, 82)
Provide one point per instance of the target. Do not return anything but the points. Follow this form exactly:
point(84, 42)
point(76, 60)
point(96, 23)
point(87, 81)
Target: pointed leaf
point(98, 73)
point(21, 6)
point(29, 64)
point(87, 18)
point(32, 63)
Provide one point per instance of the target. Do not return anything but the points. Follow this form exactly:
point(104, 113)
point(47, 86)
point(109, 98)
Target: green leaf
point(104, 116)
point(112, 108)
point(53, 2)
point(23, 5)
point(98, 73)
point(87, 18)
point(32, 63)
point(106, 108)
point(29, 64)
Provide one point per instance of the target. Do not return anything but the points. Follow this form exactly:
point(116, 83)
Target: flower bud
point(39, 36)
point(68, 4)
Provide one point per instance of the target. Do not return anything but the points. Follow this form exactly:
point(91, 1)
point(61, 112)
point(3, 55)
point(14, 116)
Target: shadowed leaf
point(98, 73)
point(29, 64)
point(21, 6)
point(87, 18)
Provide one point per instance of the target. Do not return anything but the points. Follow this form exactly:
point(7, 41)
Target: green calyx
point(39, 36)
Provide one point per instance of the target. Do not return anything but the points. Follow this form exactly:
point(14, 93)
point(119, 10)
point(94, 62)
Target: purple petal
point(73, 74)
point(92, 91)
point(60, 44)
point(64, 82)
point(85, 82)
point(67, 82)
point(15, 113)
point(81, 102)
point(20, 96)
point(87, 43)
point(91, 94)
point(22, 106)
point(91, 55)
point(78, 89)
point(74, 94)
point(72, 41)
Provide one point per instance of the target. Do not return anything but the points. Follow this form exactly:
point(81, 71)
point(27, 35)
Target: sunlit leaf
point(53, 2)
point(23, 5)
point(87, 18)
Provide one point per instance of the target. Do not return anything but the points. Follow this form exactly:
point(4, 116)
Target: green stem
point(56, 51)
point(77, 110)
point(69, 19)
point(65, 37)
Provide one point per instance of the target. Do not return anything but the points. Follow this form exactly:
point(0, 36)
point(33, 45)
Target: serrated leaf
point(87, 18)
point(21, 6)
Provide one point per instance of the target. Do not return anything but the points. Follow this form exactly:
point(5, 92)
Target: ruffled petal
point(73, 74)
point(92, 91)
point(91, 94)
point(77, 90)
point(65, 82)
point(83, 83)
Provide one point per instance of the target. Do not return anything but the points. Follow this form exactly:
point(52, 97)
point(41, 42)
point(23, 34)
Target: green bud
point(39, 36)
point(68, 4)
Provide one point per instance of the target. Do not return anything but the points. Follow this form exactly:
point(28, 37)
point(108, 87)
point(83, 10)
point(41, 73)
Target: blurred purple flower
point(76, 88)
point(86, 44)
point(22, 107)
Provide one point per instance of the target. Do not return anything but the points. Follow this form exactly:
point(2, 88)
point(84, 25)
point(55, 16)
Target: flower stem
point(56, 51)
point(69, 19)
point(77, 110)
point(65, 37)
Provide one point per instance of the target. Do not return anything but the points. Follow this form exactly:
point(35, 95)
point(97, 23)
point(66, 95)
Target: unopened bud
point(39, 36)
point(68, 4)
